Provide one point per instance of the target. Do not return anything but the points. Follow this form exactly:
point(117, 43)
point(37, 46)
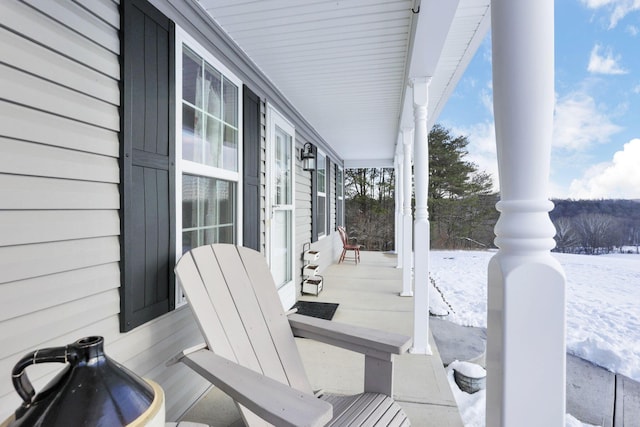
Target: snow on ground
point(603, 311)
point(603, 302)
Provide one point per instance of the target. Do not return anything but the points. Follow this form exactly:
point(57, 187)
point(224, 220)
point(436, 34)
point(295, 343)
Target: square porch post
point(421, 222)
point(526, 285)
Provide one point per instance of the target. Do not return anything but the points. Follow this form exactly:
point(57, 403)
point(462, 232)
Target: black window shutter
point(328, 202)
point(314, 199)
point(251, 169)
point(146, 165)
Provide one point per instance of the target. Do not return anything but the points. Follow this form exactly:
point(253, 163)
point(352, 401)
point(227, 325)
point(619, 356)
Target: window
point(207, 149)
point(321, 195)
point(321, 206)
point(339, 196)
point(180, 162)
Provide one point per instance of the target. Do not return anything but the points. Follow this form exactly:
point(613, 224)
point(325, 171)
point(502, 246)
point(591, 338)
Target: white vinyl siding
point(60, 200)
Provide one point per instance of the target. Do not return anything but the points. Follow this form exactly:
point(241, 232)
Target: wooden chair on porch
point(251, 353)
point(346, 246)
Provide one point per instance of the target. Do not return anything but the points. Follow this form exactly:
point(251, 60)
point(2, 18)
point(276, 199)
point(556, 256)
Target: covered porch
point(360, 82)
point(340, 66)
point(368, 295)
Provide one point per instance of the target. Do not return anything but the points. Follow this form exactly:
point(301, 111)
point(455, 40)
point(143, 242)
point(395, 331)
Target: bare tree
point(596, 232)
point(566, 237)
point(370, 207)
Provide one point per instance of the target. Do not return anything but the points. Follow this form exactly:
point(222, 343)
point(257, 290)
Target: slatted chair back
point(346, 246)
point(233, 295)
point(343, 236)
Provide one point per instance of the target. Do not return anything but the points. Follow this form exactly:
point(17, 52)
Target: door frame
point(287, 292)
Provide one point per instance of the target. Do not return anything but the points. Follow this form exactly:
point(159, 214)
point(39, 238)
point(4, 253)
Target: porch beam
point(421, 239)
point(407, 220)
point(526, 285)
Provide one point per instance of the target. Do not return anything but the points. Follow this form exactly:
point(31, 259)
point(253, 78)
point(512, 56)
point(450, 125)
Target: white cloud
point(604, 64)
point(618, 8)
point(633, 30)
point(486, 97)
point(636, 89)
point(594, 4)
point(619, 178)
point(578, 123)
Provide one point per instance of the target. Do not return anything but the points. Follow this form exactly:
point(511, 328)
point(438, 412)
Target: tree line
point(462, 210)
point(460, 199)
point(596, 226)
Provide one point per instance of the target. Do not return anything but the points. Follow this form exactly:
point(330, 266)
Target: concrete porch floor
point(367, 295)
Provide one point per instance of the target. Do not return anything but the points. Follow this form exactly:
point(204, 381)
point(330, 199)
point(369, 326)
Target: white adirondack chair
point(251, 354)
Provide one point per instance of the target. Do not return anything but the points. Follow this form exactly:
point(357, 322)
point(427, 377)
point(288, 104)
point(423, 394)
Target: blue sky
point(596, 141)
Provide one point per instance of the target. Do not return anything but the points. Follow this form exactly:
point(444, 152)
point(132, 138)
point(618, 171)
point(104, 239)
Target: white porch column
point(407, 221)
point(526, 285)
point(421, 223)
point(399, 202)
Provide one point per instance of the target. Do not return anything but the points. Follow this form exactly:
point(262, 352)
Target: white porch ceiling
point(345, 64)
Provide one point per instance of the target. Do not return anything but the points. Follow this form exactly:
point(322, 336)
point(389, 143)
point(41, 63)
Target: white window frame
point(322, 194)
point(340, 196)
point(198, 169)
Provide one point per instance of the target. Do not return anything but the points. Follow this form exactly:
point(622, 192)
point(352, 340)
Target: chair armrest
point(377, 346)
point(271, 400)
point(371, 342)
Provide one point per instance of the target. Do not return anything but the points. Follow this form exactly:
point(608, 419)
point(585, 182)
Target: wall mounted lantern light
point(308, 158)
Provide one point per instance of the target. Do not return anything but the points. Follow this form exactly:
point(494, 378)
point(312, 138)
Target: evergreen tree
point(461, 203)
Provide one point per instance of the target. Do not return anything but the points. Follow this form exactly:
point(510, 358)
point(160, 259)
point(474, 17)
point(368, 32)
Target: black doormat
point(322, 310)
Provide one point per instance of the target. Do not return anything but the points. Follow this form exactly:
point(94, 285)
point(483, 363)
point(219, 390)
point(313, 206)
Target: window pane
point(225, 203)
point(213, 142)
point(230, 149)
point(322, 215)
point(191, 72)
point(189, 201)
point(230, 103)
point(223, 234)
point(212, 91)
point(281, 247)
point(322, 185)
point(191, 134)
point(282, 168)
point(208, 211)
point(189, 240)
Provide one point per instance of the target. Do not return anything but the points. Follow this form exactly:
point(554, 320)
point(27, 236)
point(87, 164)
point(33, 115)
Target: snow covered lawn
point(603, 311)
point(603, 302)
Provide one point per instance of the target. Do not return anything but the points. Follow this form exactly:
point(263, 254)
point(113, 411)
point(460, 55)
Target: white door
point(280, 196)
